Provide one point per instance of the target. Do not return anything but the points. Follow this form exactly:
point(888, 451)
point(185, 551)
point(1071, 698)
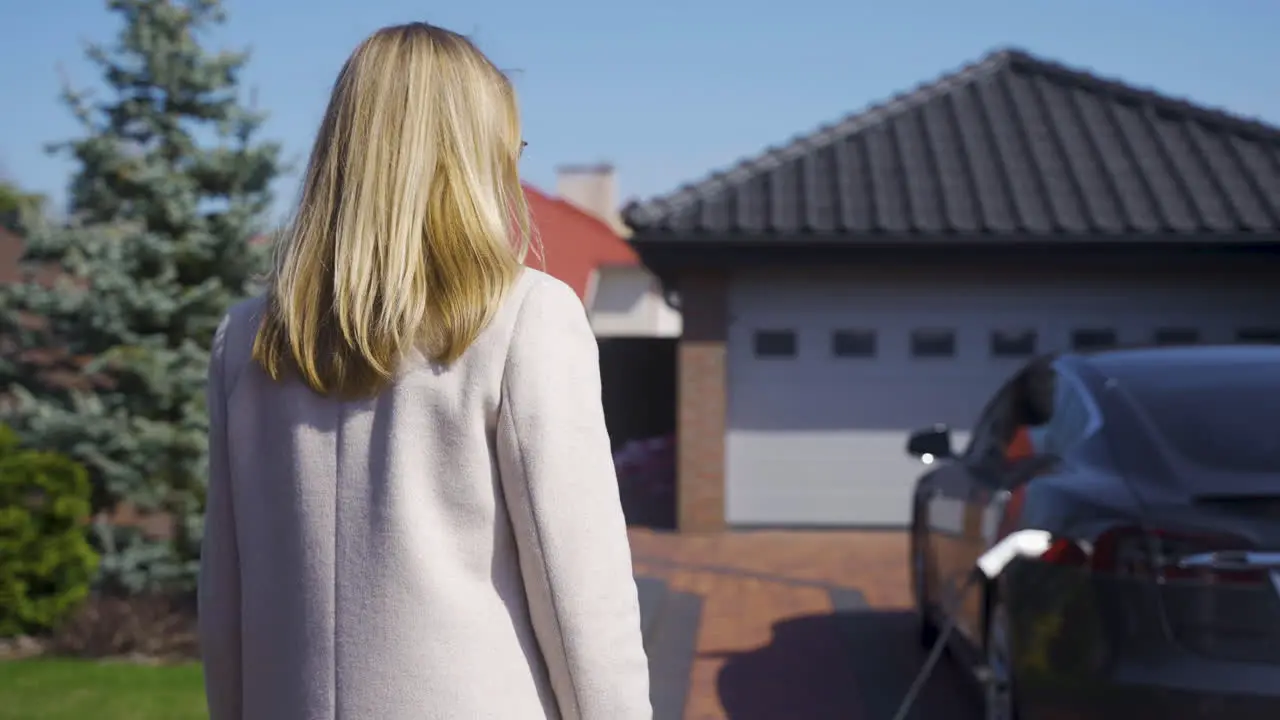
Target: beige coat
point(453, 548)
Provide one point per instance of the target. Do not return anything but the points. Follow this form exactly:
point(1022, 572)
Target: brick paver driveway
point(800, 626)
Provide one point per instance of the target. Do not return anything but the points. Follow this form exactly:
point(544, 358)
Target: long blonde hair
point(412, 223)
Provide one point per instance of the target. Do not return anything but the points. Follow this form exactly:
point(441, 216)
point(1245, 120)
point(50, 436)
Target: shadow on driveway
point(849, 665)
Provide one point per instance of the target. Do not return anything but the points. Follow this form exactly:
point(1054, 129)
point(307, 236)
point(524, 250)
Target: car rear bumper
point(1182, 687)
point(1145, 703)
point(1096, 648)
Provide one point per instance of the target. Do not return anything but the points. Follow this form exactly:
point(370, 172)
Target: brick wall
point(701, 396)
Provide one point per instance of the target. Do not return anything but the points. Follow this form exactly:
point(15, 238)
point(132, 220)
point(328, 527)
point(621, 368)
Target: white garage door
point(827, 376)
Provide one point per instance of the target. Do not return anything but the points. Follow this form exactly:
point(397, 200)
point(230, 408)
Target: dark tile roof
point(1011, 145)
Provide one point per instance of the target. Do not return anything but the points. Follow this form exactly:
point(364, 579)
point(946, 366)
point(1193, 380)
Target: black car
point(1157, 472)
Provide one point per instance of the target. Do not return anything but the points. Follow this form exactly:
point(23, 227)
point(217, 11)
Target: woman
point(412, 508)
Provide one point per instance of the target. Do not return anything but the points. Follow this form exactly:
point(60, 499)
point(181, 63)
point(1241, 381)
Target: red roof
point(10, 254)
point(574, 242)
point(11, 251)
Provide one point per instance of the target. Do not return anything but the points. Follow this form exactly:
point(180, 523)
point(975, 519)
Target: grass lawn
point(78, 689)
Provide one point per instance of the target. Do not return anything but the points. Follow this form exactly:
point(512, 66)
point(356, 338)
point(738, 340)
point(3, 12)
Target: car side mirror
point(930, 444)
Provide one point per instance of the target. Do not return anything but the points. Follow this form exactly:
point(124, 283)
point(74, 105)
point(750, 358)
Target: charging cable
point(1022, 543)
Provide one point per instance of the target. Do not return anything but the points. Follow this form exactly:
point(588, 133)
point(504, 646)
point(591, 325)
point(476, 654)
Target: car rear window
point(1224, 416)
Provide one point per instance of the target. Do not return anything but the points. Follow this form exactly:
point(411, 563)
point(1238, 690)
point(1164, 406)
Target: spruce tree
point(107, 341)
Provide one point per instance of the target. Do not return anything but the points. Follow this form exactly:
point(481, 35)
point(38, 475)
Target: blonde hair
point(412, 223)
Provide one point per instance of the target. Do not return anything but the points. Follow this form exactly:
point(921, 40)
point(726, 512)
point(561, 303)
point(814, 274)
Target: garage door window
point(1013, 344)
point(1258, 335)
point(851, 343)
point(1087, 339)
point(933, 343)
point(1177, 336)
point(775, 344)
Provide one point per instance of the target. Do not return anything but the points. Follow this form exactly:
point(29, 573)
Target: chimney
point(594, 189)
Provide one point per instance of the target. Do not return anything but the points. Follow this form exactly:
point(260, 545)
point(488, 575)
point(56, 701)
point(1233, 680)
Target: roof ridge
point(997, 60)
point(1094, 80)
point(846, 125)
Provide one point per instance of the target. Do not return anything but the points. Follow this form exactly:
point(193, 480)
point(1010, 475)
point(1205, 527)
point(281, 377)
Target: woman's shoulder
point(233, 340)
point(540, 306)
point(536, 293)
point(242, 319)
point(247, 311)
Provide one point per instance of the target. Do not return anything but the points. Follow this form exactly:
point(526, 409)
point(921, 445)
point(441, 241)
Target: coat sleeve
point(562, 493)
point(219, 583)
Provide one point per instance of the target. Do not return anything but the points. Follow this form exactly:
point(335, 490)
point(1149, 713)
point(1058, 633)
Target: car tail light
point(1163, 555)
point(1066, 552)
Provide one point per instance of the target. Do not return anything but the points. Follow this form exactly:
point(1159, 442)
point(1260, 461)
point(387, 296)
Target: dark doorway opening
point(638, 380)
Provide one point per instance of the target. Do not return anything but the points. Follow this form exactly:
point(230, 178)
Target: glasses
point(523, 144)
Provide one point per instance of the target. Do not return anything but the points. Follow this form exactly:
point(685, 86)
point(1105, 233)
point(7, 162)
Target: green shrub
point(47, 563)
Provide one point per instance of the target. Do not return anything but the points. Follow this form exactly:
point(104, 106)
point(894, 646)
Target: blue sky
point(667, 90)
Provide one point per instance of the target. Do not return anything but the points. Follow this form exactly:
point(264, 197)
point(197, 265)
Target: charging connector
point(1023, 543)
point(991, 564)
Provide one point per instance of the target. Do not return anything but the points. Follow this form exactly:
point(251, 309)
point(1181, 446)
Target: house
point(10, 254)
point(888, 271)
point(583, 244)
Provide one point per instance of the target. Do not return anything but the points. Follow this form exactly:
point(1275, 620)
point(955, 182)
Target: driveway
point(791, 626)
